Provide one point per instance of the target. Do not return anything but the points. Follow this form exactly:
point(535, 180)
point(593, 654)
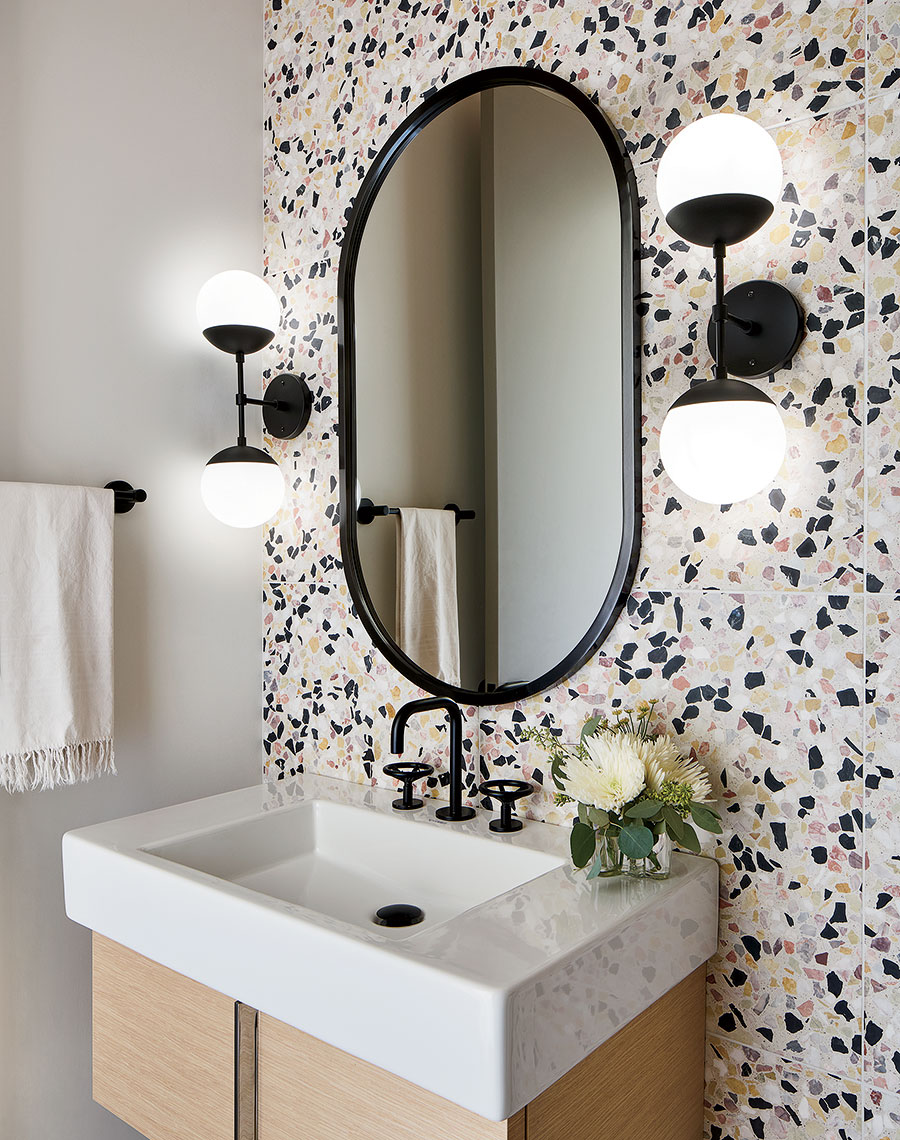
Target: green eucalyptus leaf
point(583, 843)
point(706, 807)
point(675, 825)
point(690, 840)
point(590, 726)
point(598, 869)
point(706, 819)
point(643, 809)
point(636, 841)
point(598, 817)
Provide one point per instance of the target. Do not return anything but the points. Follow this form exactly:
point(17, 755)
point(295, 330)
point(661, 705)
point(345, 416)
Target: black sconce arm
point(286, 407)
point(719, 313)
point(722, 315)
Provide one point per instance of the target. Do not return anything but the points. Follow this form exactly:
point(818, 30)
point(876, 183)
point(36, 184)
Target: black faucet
point(455, 812)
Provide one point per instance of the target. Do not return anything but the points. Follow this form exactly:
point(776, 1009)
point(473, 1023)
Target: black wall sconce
point(243, 486)
point(724, 440)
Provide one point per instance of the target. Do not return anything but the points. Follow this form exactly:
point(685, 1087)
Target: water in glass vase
point(610, 860)
point(656, 865)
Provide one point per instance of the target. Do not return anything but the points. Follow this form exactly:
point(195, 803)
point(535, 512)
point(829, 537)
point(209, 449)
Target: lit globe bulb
point(238, 311)
point(722, 442)
point(242, 486)
point(719, 179)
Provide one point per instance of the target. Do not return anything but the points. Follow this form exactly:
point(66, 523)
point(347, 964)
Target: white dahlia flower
point(611, 775)
point(665, 764)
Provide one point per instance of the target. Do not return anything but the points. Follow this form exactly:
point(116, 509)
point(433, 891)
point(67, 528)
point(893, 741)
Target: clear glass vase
point(656, 865)
point(609, 859)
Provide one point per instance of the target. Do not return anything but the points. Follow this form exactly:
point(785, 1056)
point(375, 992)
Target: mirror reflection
point(488, 328)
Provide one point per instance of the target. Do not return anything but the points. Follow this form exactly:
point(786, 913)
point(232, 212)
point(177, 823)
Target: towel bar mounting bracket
point(126, 495)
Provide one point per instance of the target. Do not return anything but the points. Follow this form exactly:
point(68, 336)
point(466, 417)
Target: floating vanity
point(242, 988)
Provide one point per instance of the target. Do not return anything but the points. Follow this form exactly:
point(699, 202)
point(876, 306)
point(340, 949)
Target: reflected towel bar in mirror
point(367, 511)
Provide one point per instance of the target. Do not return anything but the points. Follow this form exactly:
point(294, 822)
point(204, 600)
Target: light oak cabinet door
point(163, 1048)
point(645, 1083)
point(311, 1091)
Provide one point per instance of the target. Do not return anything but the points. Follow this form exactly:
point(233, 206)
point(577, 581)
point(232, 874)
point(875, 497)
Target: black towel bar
point(367, 511)
point(126, 495)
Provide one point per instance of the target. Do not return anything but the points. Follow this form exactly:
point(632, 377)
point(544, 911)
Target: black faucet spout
point(455, 812)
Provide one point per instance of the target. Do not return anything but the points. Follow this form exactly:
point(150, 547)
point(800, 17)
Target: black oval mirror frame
point(626, 564)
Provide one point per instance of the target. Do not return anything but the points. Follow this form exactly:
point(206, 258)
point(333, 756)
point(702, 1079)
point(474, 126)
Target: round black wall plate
point(291, 416)
point(780, 327)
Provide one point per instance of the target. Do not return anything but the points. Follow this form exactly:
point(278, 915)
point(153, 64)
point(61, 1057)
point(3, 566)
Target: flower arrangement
point(636, 792)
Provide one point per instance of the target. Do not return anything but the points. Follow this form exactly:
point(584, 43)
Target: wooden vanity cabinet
point(163, 1048)
point(164, 1062)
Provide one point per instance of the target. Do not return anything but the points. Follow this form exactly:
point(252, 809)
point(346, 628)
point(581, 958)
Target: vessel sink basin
point(344, 861)
point(518, 970)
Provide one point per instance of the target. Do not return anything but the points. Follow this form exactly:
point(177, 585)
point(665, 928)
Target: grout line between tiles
point(666, 590)
point(863, 1097)
point(813, 116)
point(782, 1058)
point(731, 591)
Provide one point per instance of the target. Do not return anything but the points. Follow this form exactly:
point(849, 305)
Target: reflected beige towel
point(427, 607)
point(56, 687)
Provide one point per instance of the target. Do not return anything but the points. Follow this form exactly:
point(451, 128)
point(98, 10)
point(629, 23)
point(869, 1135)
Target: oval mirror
point(490, 387)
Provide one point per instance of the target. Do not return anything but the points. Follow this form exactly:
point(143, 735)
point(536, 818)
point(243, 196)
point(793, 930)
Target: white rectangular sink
point(519, 969)
point(347, 862)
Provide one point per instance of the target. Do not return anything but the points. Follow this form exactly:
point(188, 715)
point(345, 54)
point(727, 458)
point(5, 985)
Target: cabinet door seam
point(246, 1072)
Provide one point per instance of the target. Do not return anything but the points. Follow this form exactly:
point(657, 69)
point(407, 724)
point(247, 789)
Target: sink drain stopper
point(398, 914)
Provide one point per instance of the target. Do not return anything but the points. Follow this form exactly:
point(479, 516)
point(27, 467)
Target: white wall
point(132, 148)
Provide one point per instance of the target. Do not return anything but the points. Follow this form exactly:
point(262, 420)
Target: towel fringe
point(52, 767)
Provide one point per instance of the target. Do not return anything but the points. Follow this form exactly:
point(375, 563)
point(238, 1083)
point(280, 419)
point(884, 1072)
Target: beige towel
point(427, 608)
point(56, 689)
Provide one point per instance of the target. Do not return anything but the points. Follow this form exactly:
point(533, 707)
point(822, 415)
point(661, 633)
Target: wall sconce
point(724, 440)
point(239, 314)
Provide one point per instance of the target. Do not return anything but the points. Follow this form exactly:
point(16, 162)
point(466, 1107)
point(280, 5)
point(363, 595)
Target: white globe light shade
point(723, 451)
point(243, 491)
point(720, 155)
point(236, 297)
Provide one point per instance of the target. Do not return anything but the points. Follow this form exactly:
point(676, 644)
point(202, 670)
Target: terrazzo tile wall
point(770, 632)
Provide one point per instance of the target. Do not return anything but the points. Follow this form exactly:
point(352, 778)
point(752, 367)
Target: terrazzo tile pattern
point(882, 901)
point(883, 379)
point(656, 66)
point(770, 631)
point(751, 1094)
point(882, 898)
point(883, 41)
point(882, 1115)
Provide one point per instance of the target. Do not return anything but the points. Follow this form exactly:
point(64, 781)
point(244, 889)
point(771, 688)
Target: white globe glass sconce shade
point(238, 311)
point(242, 486)
point(723, 441)
point(719, 179)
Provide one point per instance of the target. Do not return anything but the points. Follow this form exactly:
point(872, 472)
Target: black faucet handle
point(505, 792)
point(407, 772)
